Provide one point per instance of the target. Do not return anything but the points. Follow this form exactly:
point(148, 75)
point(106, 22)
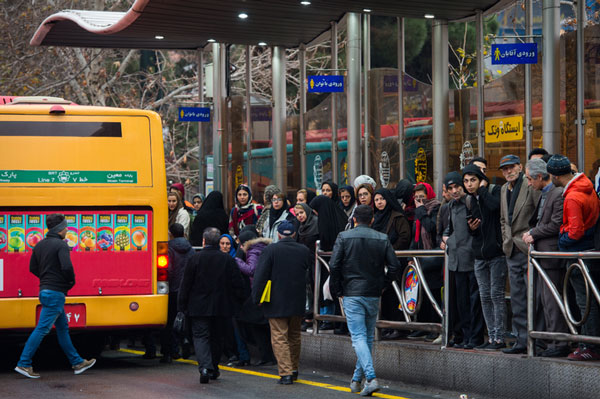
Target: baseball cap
point(286, 229)
point(509, 160)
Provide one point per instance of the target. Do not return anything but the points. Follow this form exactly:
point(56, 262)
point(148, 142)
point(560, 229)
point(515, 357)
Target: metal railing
point(562, 301)
point(409, 312)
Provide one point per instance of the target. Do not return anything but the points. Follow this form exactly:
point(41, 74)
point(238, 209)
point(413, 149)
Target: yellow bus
point(104, 169)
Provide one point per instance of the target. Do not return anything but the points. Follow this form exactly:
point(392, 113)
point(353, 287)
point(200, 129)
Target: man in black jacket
point(284, 263)
point(51, 263)
point(211, 283)
point(483, 218)
point(358, 276)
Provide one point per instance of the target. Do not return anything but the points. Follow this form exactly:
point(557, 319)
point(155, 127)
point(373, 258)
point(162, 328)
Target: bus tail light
point(162, 266)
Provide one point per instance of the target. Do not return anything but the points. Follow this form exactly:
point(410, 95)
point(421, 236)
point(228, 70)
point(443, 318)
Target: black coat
point(487, 239)
point(212, 285)
point(284, 263)
point(51, 263)
point(212, 214)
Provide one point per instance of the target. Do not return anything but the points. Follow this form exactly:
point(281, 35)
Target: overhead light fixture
point(305, 3)
point(429, 16)
point(211, 40)
point(159, 37)
point(242, 15)
point(262, 43)
point(367, 10)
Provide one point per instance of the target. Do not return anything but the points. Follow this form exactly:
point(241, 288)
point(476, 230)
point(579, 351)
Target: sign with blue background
point(194, 114)
point(514, 53)
point(326, 84)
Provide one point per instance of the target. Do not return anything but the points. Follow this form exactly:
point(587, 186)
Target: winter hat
point(246, 236)
point(270, 191)
point(453, 178)
point(559, 165)
point(474, 170)
point(364, 179)
point(180, 188)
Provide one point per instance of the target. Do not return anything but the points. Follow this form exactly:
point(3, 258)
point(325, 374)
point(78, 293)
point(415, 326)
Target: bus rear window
point(61, 129)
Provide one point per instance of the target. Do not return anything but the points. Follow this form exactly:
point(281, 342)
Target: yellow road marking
point(273, 376)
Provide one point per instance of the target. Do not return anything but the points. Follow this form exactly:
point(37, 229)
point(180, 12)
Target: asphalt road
point(124, 374)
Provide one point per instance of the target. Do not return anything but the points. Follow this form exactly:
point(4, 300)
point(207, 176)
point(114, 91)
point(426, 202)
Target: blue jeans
point(361, 315)
point(491, 278)
point(53, 313)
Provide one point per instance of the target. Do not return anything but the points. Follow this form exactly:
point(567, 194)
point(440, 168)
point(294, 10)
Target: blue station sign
point(194, 114)
point(514, 53)
point(326, 84)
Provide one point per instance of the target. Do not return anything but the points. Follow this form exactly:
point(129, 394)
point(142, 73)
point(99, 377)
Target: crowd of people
point(268, 250)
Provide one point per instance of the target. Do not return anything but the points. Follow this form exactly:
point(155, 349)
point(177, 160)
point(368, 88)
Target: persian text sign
point(68, 176)
point(509, 128)
point(326, 84)
point(514, 53)
point(194, 114)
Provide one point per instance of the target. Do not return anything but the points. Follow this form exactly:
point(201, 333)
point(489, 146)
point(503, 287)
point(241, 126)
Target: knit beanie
point(453, 178)
point(270, 191)
point(246, 236)
point(559, 165)
point(364, 179)
point(474, 170)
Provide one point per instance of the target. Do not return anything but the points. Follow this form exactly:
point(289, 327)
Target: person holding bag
point(284, 264)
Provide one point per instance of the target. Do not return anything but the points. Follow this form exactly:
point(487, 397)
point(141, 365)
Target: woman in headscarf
point(404, 194)
point(244, 211)
point(390, 219)
point(227, 244)
point(277, 214)
point(212, 214)
point(197, 201)
point(330, 189)
point(264, 217)
point(364, 196)
point(347, 199)
point(177, 213)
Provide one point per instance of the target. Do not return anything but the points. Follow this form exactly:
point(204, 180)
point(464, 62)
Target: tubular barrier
point(563, 302)
point(410, 302)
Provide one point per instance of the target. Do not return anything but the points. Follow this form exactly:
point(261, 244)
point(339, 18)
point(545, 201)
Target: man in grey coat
point(461, 261)
point(517, 203)
point(546, 222)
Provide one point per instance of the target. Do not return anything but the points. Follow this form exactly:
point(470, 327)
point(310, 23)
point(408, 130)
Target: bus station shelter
point(200, 25)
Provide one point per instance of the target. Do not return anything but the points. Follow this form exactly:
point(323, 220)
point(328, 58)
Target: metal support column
point(200, 73)
point(480, 93)
point(401, 67)
point(302, 122)
point(248, 117)
point(353, 95)
point(334, 134)
point(528, 115)
point(216, 115)
point(224, 126)
point(439, 35)
point(366, 68)
point(551, 75)
point(279, 139)
point(581, 22)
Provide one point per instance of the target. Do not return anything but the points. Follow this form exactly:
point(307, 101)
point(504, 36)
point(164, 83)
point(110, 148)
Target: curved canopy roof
point(189, 24)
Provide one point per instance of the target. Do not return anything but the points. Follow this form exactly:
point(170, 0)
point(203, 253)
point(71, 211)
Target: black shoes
point(561, 351)
point(265, 363)
point(242, 363)
point(204, 376)
point(295, 375)
point(515, 350)
point(166, 359)
point(214, 374)
point(286, 380)
point(417, 335)
point(327, 325)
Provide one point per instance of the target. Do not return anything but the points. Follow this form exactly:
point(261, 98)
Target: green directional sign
point(68, 176)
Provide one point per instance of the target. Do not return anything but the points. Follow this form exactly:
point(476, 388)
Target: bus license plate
point(75, 313)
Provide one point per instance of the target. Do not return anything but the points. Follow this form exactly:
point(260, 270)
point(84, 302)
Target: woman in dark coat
point(212, 214)
point(347, 199)
point(308, 234)
point(330, 189)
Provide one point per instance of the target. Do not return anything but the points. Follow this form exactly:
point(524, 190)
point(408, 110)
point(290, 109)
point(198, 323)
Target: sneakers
point(355, 386)
point(81, 367)
point(370, 387)
point(583, 354)
point(27, 372)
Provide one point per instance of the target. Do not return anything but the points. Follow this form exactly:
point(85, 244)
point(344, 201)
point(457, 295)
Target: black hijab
point(275, 214)
point(382, 217)
point(310, 226)
point(352, 198)
point(212, 214)
point(331, 220)
point(334, 189)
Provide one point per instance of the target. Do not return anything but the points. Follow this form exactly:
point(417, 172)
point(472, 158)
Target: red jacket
point(580, 209)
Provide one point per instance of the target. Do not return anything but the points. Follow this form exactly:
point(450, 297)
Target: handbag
point(266, 295)
point(180, 323)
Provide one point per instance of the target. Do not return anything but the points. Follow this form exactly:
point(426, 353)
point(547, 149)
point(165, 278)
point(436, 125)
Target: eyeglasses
point(364, 194)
